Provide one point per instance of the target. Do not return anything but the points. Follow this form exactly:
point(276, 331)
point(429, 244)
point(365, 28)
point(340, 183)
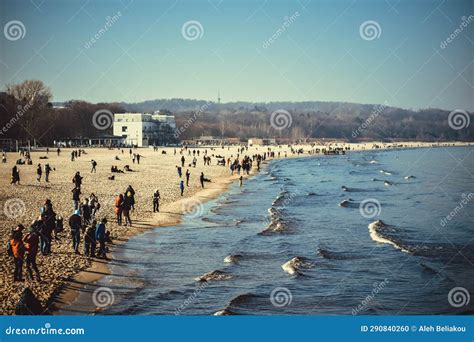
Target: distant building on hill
point(261, 141)
point(141, 129)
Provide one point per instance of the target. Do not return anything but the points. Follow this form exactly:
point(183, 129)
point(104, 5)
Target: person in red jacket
point(31, 241)
point(118, 208)
point(18, 253)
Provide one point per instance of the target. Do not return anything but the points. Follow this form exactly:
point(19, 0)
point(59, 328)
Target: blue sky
point(320, 55)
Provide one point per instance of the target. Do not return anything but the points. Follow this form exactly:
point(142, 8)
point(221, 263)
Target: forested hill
point(313, 119)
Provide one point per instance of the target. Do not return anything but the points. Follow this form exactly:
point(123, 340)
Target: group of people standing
point(25, 244)
point(123, 204)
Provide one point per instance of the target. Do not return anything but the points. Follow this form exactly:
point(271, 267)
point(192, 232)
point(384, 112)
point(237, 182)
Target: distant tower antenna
point(219, 98)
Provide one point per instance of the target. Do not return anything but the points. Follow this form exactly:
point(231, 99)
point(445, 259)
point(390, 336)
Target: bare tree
point(33, 92)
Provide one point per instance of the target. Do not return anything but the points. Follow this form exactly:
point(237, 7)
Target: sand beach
point(63, 272)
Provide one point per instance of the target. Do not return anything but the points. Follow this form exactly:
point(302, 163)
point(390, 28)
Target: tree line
point(27, 113)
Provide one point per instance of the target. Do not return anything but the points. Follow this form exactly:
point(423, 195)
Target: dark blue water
point(407, 266)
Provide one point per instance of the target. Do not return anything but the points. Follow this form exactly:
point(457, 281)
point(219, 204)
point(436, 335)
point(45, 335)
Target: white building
point(137, 128)
point(165, 118)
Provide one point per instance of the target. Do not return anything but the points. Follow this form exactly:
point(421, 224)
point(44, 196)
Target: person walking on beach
point(241, 180)
point(47, 170)
point(187, 177)
point(156, 201)
point(126, 206)
point(89, 240)
point(31, 241)
point(182, 161)
point(138, 158)
point(39, 172)
point(100, 236)
point(43, 234)
point(118, 208)
point(86, 212)
point(76, 192)
point(77, 180)
point(59, 227)
point(15, 176)
point(48, 225)
point(94, 204)
point(201, 179)
point(180, 171)
point(130, 196)
point(75, 222)
point(181, 186)
point(94, 165)
point(58, 151)
point(16, 249)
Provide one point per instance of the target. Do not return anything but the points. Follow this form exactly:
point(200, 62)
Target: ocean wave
point(347, 189)
point(230, 259)
point(242, 299)
point(214, 275)
point(295, 265)
point(225, 312)
point(383, 233)
point(279, 200)
point(277, 226)
point(348, 203)
point(327, 254)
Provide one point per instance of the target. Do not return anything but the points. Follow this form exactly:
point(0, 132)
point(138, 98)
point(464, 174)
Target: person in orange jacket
point(18, 252)
point(118, 208)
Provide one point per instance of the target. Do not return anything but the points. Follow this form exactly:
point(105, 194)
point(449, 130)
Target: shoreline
point(68, 293)
point(64, 285)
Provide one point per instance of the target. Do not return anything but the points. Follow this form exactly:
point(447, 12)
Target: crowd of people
point(85, 226)
point(25, 243)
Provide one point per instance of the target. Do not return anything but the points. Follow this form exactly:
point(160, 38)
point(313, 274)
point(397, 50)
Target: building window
point(124, 128)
